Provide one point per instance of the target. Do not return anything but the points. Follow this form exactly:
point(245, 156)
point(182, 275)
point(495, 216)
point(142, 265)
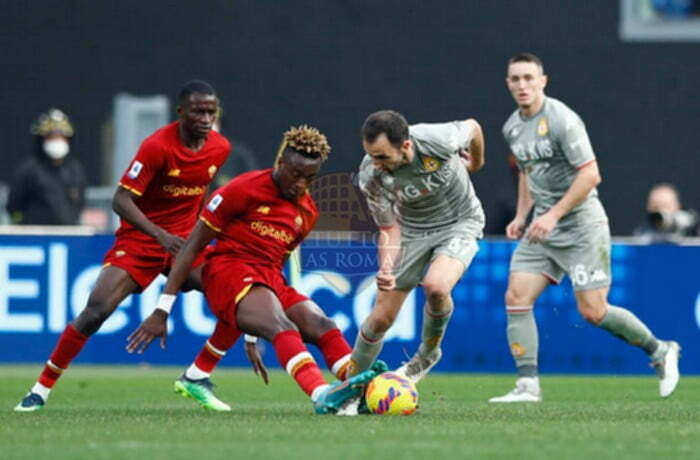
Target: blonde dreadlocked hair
point(305, 140)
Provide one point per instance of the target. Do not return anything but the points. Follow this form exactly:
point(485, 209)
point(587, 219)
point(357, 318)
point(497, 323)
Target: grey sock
point(527, 370)
point(434, 326)
point(523, 339)
point(624, 324)
point(367, 347)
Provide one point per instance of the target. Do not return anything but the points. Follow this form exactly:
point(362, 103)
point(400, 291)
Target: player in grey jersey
point(420, 196)
point(569, 232)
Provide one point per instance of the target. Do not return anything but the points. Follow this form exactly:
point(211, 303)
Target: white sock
point(41, 390)
point(195, 373)
point(317, 391)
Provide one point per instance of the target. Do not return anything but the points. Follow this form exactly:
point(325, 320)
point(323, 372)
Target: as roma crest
point(212, 170)
point(542, 127)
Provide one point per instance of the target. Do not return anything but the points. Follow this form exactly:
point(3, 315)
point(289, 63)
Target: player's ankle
point(318, 391)
point(41, 390)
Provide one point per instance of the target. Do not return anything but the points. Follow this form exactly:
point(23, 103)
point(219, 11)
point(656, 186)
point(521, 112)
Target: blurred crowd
point(667, 221)
point(49, 187)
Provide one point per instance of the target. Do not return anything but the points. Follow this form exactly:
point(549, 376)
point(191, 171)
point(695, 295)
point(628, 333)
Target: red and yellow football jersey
point(171, 181)
point(255, 223)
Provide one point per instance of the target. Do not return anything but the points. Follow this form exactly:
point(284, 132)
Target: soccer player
point(569, 231)
point(157, 199)
point(258, 219)
point(420, 195)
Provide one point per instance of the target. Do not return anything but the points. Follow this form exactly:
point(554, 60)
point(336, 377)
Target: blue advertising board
point(45, 282)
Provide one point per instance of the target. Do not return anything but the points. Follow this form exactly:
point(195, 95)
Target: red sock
point(336, 352)
point(69, 345)
point(296, 359)
point(215, 348)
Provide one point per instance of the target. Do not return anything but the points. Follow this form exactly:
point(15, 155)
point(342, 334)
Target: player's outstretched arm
point(156, 324)
point(123, 204)
point(476, 148)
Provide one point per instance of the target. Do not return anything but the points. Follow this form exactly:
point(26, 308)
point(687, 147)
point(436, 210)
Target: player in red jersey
point(257, 220)
point(158, 200)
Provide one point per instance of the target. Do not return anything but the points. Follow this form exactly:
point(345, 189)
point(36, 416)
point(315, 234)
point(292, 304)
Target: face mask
point(56, 148)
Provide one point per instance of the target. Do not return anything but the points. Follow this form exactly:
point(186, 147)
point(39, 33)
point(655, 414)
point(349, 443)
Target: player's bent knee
point(513, 297)
point(379, 324)
point(325, 324)
point(592, 314)
point(282, 323)
point(313, 330)
point(436, 291)
point(592, 311)
point(91, 318)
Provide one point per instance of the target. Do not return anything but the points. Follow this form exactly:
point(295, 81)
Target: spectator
point(667, 221)
point(49, 186)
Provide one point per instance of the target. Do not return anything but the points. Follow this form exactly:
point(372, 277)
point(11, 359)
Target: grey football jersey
point(550, 147)
point(432, 191)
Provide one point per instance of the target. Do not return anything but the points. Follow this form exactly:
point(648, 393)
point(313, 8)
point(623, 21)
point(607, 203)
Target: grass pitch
point(127, 412)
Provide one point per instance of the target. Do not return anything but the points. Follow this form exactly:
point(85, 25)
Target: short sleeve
point(380, 206)
point(145, 165)
point(574, 142)
point(442, 140)
point(225, 204)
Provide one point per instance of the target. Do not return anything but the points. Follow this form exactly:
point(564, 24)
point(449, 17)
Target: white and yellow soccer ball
point(391, 394)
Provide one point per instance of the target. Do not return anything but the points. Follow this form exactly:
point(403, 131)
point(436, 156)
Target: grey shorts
point(419, 249)
point(582, 252)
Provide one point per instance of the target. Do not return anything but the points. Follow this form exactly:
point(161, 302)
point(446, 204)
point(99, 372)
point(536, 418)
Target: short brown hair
point(527, 57)
point(389, 122)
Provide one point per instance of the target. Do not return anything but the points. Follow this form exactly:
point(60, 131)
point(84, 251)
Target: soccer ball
point(391, 394)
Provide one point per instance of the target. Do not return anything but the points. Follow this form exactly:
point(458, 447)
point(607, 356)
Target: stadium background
point(329, 64)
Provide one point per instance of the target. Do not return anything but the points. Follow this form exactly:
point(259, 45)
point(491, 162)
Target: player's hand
point(253, 354)
point(170, 243)
point(156, 325)
point(386, 281)
point(541, 227)
point(515, 228)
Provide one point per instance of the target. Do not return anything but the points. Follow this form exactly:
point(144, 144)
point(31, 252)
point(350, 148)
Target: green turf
point(113, 412)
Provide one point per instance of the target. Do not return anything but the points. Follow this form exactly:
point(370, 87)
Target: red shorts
point(225, 284)
point(143, 262)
